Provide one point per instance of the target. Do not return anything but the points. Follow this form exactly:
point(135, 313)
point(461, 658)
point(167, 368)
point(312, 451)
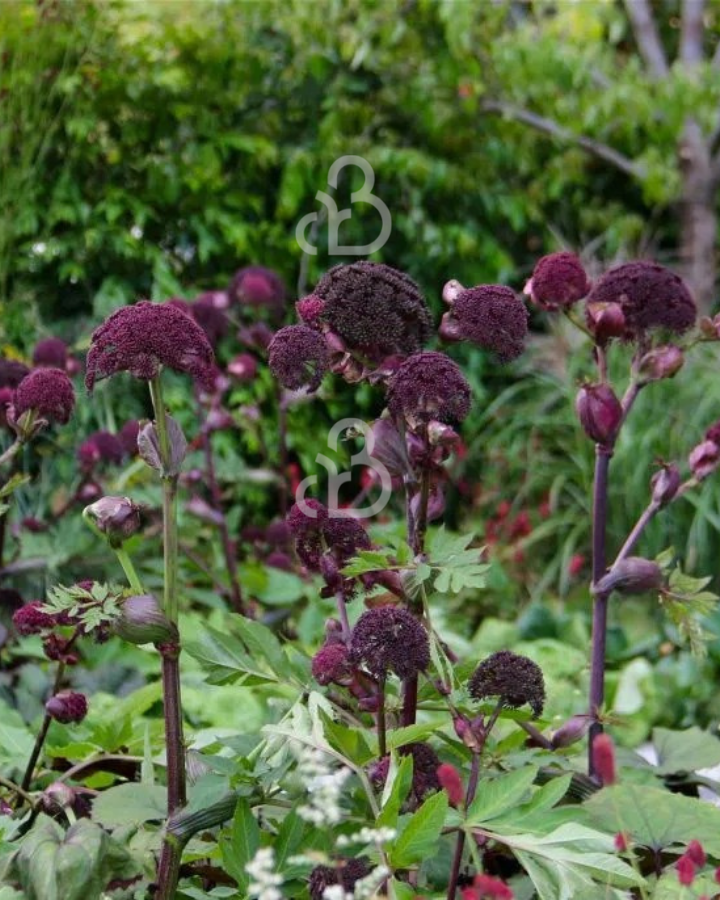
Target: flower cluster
point(390, 639)
point(299, 357)
point(374, 309)
point(558, 281)
point(515, 680)
point(491, 316)
point(140, 339)
point(48, 393)
point(324, 787)
point(101, 447)
point(429, 385)
point(265, 882)
point(257, 286)
point(345, 874)
point(649, 297)
point(50, 353)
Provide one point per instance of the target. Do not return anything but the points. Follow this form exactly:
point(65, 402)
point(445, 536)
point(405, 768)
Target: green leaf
point(239, 843)
point(419, 838)
point(130, 804)
point(685, 751)
point(261, 642)
point(288, 839)
point(410, 734)
point(495, 796)
point(654, 817)
point(397, 785)
point(225, 659)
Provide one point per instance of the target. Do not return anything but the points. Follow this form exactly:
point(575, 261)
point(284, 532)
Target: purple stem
point(460, 844)
point(600, 606)
point(627, 548)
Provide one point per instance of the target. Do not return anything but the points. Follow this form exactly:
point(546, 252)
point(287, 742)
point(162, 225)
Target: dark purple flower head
point(310, 309)
point(425, 765)
point(279, 559)
point(346, 873)
point(257, 286)
point(213, 321)
point(375, 309)
point(49, 392)
point(490, 316)
point(344, 537)
point(307, 531)
point(128, 437)
point(515, 680)
point(277, 534)
point(67, 707)
point(558, 281)
point(101, 446)
point(650, 297)
point(298, 357)
point(30, 619)
point(50, 353)
point(429, 385)
point(12, 372)
point(140, 339)
point(331, 665)
point(390, 639)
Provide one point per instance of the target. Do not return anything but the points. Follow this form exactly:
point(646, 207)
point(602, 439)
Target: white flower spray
point(324, 786)
point(266, 882)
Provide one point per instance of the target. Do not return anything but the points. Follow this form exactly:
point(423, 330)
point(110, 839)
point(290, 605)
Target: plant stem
point(11, 451)
point(42, 734)
point(342, 612)
point(129, 569)
point(169, 866)
point(16, 789)
point(381, 731)
point(599, 624)
point(627, 548)
point(460, 845)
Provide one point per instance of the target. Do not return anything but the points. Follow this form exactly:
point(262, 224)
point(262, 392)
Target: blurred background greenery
point(152, 149)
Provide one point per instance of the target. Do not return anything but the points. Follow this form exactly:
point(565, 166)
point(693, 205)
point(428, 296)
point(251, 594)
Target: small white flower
point(266, 882)
point(324, 786)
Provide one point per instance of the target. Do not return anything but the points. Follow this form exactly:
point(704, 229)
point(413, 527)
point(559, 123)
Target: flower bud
point(606, 321)
point(450, 329)
point(665, 484)
point(633, 575)
point(67, 707)
point(603, 756)
point(243, 367)
point(704, 459)
point(450, 781)
point(451, 291)
point(58, 794)
point(662, 362)
point(142, 621)
point(600, 412)
point(118, 518)
point(388, 447)
point(570, 732)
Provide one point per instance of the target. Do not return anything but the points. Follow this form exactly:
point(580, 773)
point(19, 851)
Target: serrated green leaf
point(130, 804)
point(497, 795)
point(419, 838)
point(239, 843)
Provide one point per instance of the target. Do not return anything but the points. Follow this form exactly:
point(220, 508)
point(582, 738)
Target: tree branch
point(555, 130)
point(691, 32)
point(647, 37)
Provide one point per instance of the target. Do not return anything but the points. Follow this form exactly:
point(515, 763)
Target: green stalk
point(169, 865)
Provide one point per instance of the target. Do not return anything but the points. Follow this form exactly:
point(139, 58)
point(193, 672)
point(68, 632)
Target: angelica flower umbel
point(265, 881)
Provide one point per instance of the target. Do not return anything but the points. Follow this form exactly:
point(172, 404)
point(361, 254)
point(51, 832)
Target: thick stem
point(283, 454)
point(169, 866)
point(381, 730)
point(42, 734)
point(342, 612)
point(460, 845)
point(599, 624)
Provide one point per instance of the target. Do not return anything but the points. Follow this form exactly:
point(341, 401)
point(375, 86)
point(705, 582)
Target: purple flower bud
point(298, 357)
point(67, 707)
point(142, 621)
point(50, 353)
point(451, 291)
point(571, 732)
point(633, 575)
point(118, 518)
point(49, 393)
point(662, 362)
point(243, 367)
point(665, 484)
point(606, 321)
point(31, 619)
point(331, 665)
point(558, 281)
point(310, 310)
point(259, 287)
point(704, 459)
point(600, 412)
